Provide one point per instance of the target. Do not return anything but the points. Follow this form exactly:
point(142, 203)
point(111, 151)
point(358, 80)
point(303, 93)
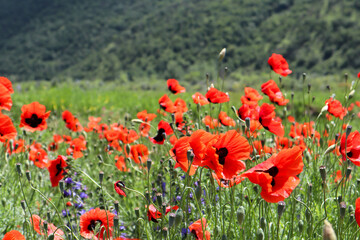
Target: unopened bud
point(342, 209)
point(308, 215)
point(51, 237)
point(328, 231)
point(263, 223)
point(348, 130)
point(198, 192)
point(159, 199)
point(323, 173)
point(101, 177)
point(62, 186)
point(240, 214)
point(247, 123)
point(18, 168)
point(348, 172)
point(301, 226)
point(330, 149)
point(222, 54)
point(351, 94)
point(178, 217)
point(28, 175)
point(260, 234)
point(281, 208)
point(23, 204)
point(171, 219)
point(116, 222)
point(190, 155)
point(148, 164)
point(137, 212)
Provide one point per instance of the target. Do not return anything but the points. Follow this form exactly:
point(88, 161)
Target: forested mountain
point(111, 39)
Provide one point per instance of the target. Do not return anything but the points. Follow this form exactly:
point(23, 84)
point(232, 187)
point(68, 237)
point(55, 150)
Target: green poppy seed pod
point(163, 208)
point(342, 209)
point(101, 177)
point(322, 170)
point(164, 232)
point(263, 223)
point(247, 123)
point(280, 80)
point(51, 237)
point(116, 222)
point(28, 175)
point(240, 214)
point(308, 215)
point(18, 168)
point(301, 226)
point(348, 130)
point(348, 172)
point(137, 212)
point(260, 234)
point(25, 134)
point(178, 217)
point(281, 208)
point(171, 219)
point(328, 231)
point(159, 199)
point(11, 145)
point(148, 164)
point(330, 149)
point(233, 108)
point(62, 186)
point(190, 156)
point(23, 205)
point(304, 77)
point(116, 205)
point(198, 192)
point(222, 54)
point(351, 94)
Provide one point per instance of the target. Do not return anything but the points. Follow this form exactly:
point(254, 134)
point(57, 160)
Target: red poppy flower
point(352, 147)
point(76, 147)
point(216, 96)
point(199, 141)
point(38, 155)
point(38, 225)
point(121, 164)
point(14, 235)
point(357, 210)
point(267, 120)
point(17, 146)
point(226, 120)
point(33, 117)
point(7, 84)
point(179, 153)
point(72, 122)
point(225, 183)
point(277, 175)
point(335, 108)
point(128, 136)
point(7, 128)
point(211, 122)
point(174, 86)
point(260, 149)
point(271, 89)
point(224, 156)
point(145, 116)
point(153, 214)
point(255, 126)
point(139, 151)
point(279, 65)
point(111, 135)
point(94, 218)
point(250, 111)
point(5, 98)
point(166, 104)
point(251, 96)
point(57, 170)
point(144, 129)
point(163, 130)
point(119, 186)
point(197, 229)
point(198, 98)
point(180, 105)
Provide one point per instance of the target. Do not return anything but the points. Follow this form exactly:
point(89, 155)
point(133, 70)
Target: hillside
point(129, 39)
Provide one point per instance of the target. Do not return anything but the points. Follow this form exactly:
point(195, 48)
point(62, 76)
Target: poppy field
point(179, 164)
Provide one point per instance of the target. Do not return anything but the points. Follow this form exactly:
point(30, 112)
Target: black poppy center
point(349, 154)
point(171, 89)
point(260, 121)
point(58, 168)
point(222, 152)
point(160, 135)
point(273, 171)
point(33, 121)
point(93, 224)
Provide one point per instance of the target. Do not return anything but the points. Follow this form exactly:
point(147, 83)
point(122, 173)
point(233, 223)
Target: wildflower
point(216, 96)
point(166, 104)
point(271, 89)
point(163, 130)
point(119, 186)
point(145, 116)
point(121, 164)
point(268, 121)
point(7, 84)
point(57, 170)
point(38, 225)
point(357, 211)
point(7, 129)
point(5, 98)
point(352, 147)
point(197, 229)
point(33, 117)
point(251, 96)
point(38, 155)
point(198, 98)
point(72, 122)
point(174, 86)
point(180, 154)
point(13, 235)
point(96, 219)
point(226, 120)
point(211, 122)
point(277, 175)
point(279, 65)
point(335, 108)
point(76, 147)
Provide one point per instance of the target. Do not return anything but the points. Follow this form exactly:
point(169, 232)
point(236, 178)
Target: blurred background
point(137, 41)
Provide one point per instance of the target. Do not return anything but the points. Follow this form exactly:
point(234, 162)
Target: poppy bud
point(147, 196)
point(207, 128)
point(190, 156)
point(307, 215)
point(163, 206)
point(101, 177)
point(128, 148)
point(346, 76)
point(48, 215)
point(260, 234)
point(51, 237)
point(137, 212)
point(222, 54)
point(62, 186)
point(45, 224)
point(23, 204)
point(164, 232)
point(263, 223)
point(159, 199)
point(337, 137)
point(351, 94)
point(247, 123)
point(323, 173)
point(28, 175)
point(348, 172)
point(116, 205)
point(148, 164)
point(178, 217)
point(310, 187)
point(339, 199)
point(342, 209)
point(348, 130)
point(309, 87)
point(351, 218)
point(301, 226)
point(330, 149)
point(292, 96)
point(281, 208)
point(198, 192)
point(100, 158)
point(351, 209)
point(240, 214)
point(304, 77)
point(196, 125)
point(324, 109)
point(328, 231)
point(171, 219)
point(18, 168)
point(313, 99)
point(116, 222)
